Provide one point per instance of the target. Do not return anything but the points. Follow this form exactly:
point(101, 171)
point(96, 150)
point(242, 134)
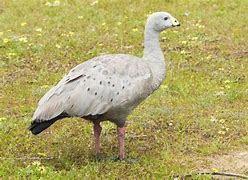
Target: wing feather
point(96, 86)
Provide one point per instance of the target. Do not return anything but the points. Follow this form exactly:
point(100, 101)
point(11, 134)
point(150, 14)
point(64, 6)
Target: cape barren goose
point(107, 87)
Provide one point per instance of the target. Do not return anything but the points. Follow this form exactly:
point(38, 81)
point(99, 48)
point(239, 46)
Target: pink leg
point(97, 133)
point(121, 142)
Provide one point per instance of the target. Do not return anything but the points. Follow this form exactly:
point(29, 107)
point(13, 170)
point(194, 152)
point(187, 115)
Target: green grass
point(200, 110)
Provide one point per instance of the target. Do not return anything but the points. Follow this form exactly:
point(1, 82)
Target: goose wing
point(97, 86)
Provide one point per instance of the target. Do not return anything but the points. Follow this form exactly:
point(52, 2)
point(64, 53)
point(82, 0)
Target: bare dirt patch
point(234, 161)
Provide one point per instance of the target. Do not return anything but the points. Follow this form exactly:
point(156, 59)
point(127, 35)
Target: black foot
point(128, 160)
point(132, 161)
point(99, 157)
point(116, 159)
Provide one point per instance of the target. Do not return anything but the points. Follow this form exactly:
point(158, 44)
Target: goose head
point(160, 21)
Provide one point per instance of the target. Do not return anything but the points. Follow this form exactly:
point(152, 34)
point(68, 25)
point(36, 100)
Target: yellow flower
point(227, 81)
point(23, 24)
point(45, 86)
point(228, 87)
point(164, 86)
point(194, 38)
point(215, 170)
point(103, 24)
point(221, 132)
point(80, 17)
point(118, 23)
point(94, 3)
point(2, 118)
point(222, 121)
point(183, 52)
point(42, 169)
point(6, 40)
point(36, 163)
point(23, 39)
point(135, 29)
point(184, 42)
point(53, 4)
point(11, 54)
point(58, 46)
point(209, 57)
point(41, 154)
point(48, 4)
point(38, 29)
point(70, 33)
point(213, 119)
point(220, 93)
point(200, 26)
point(148, 14)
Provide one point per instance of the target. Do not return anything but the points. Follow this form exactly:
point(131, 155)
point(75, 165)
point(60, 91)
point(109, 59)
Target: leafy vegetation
point(200, 110)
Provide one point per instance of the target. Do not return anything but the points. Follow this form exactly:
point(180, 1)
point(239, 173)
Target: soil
point(235, 162)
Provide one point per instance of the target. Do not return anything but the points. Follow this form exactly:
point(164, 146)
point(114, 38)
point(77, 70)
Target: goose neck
point(152, 50)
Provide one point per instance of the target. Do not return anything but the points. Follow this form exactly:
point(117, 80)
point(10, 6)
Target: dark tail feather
point(38, 127)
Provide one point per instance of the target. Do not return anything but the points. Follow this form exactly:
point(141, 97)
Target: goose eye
point(166, 18)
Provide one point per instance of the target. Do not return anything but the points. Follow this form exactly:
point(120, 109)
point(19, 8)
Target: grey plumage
point(107, 87)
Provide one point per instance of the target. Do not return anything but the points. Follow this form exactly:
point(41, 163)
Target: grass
point(200, 110)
